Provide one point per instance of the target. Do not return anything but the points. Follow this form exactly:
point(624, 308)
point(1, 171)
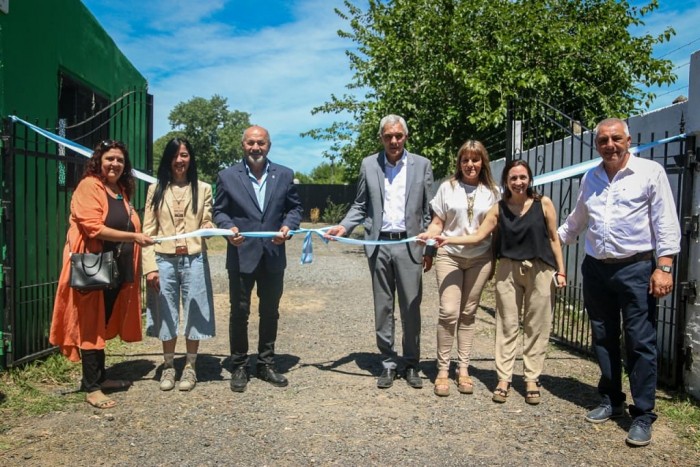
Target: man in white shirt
point(393, 195)
point(633, 234)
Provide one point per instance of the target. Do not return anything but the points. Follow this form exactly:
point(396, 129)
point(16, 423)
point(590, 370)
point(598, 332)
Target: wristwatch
point(665, 268)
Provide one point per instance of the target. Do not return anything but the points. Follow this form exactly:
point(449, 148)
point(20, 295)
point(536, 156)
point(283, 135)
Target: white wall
point(692, 330)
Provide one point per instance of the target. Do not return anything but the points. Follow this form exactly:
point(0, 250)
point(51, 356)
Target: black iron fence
point(549, 140)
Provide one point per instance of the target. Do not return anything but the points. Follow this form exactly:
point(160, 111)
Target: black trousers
point(617, 294)
point(93, 361)
point(269, 289)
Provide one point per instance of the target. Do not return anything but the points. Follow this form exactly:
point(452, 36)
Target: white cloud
point(277, 73)
point(684, 18)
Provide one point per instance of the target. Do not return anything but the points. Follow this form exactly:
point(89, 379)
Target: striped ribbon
point(80, 149)
point(307, 249)
point(583, 167)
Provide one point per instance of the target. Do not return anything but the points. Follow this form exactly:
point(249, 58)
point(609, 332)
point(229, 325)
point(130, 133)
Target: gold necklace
point(470, 208)
point(182, 196)
point(470, 204)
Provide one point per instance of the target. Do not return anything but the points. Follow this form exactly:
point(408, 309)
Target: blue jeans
point(611, 291)
point(183, 278)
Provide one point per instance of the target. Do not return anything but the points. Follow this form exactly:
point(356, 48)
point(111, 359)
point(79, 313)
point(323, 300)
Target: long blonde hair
point(485, 177)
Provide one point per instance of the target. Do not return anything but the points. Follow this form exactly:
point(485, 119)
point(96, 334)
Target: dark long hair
point(172, 149)
point(531, 193)
point(94, 165)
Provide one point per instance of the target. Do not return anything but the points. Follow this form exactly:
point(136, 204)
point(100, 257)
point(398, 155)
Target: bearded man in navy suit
point(252, 196)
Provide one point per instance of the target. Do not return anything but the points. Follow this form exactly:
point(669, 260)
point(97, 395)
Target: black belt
point(392, 236)
point(643, 256)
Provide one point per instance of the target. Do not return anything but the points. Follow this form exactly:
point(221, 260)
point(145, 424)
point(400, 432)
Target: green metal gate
point(38, 179)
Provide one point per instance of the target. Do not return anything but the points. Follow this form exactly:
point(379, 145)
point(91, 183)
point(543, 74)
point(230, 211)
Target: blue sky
point(277, 59)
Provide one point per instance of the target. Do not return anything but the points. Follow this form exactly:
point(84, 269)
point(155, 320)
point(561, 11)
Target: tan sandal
point(99, 400)
point(533, 397)
point(442, 387)
point(500, 394)
point(465, 385)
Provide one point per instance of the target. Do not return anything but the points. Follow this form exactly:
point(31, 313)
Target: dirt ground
point(332, 412)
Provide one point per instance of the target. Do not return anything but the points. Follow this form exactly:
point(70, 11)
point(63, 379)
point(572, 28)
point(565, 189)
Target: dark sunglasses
point(111, 143)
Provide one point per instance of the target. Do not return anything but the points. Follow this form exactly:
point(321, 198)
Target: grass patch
point(35, 388)
point(32, 389)
point(684, 415)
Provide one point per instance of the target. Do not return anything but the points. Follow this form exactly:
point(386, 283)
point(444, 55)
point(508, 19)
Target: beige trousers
point(460, 282)
point(523, 287)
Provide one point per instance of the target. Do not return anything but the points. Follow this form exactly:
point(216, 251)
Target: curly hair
point(94, 165)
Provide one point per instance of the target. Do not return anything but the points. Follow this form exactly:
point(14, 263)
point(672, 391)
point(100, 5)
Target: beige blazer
point(161, 223)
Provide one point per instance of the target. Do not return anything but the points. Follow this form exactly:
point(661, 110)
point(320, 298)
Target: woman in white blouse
point(458, 207)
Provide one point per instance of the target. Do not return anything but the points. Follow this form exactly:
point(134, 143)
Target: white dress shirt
point(394, 218)
point(633, 213)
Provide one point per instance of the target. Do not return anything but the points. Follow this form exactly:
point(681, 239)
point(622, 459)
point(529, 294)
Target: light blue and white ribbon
point(307, 247)
point(583, 167)
point(80, 149)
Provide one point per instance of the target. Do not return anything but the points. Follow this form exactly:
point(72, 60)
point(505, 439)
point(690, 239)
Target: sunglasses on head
point(111, 143)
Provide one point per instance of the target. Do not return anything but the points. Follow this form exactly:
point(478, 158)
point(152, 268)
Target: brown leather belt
point(643, 256)
point(392, 236)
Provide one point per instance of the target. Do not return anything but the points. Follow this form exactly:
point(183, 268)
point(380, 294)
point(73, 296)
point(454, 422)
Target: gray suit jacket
point(368, 206)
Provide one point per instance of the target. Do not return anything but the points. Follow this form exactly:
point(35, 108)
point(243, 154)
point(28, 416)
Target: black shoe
point(239, 379)
point(412, 378)
point(640, 433)
point(268, 373)
point(605, 412)
point(386, 379)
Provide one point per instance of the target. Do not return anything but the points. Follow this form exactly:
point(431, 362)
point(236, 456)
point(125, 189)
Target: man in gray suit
point(393, 195)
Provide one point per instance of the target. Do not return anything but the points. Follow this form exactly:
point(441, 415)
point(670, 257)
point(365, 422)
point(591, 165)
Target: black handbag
point(96, 271)
point(93, 271)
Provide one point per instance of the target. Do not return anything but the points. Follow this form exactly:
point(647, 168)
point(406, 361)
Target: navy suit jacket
point(235, 205)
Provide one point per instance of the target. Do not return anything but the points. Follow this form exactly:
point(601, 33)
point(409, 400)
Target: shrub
point(333, 213)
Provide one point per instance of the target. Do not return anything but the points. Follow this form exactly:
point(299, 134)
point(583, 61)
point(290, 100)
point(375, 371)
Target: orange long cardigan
point(79, 318)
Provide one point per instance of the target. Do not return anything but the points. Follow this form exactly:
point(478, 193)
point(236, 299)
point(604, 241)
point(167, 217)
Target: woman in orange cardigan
point(101, 219)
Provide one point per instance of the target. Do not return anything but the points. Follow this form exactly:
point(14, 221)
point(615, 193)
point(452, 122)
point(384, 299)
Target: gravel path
point(332, 413)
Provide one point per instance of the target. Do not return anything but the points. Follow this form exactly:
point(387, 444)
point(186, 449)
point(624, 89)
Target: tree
point(302, 178)
point(213, 131)
point(328, 173)
point(450, 68)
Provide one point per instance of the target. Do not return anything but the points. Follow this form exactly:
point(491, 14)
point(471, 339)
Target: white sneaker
point(188, 379)
point(167, 379)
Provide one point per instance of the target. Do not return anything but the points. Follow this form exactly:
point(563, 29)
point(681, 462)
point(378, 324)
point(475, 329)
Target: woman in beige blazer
point(178, 270)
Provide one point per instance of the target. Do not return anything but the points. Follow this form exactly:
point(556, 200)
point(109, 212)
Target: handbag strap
point(128, 223)
point(119, 246)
